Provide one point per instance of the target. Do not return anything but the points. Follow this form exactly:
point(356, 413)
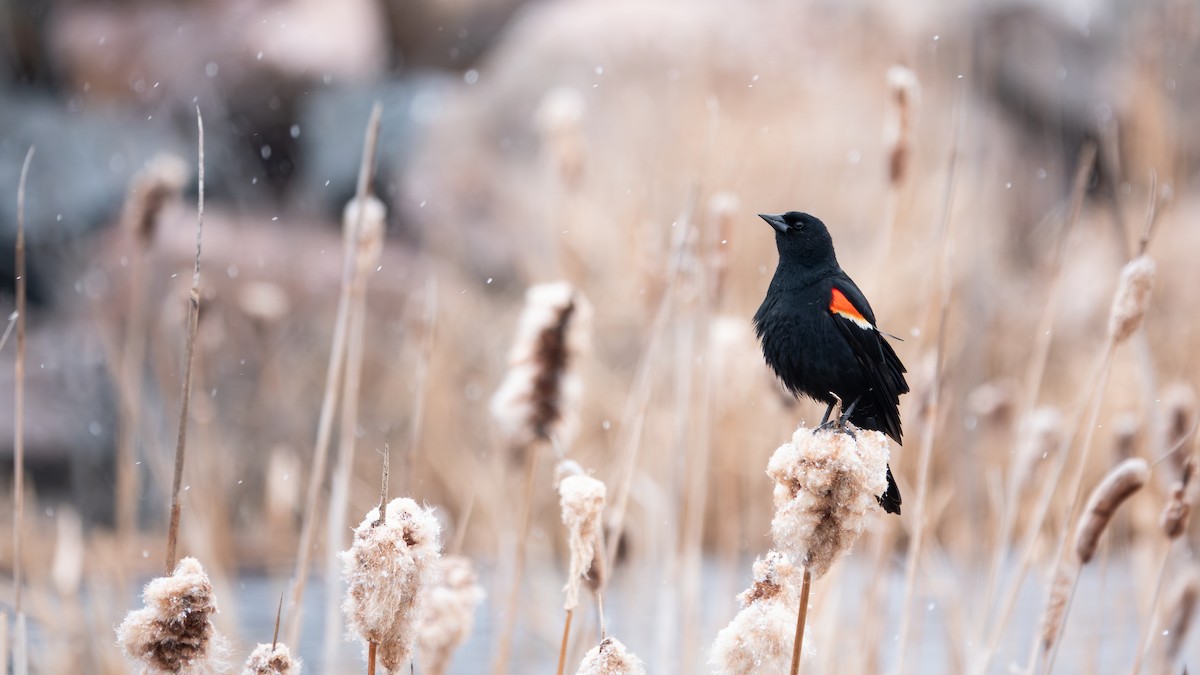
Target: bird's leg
point(825, 418)
point(845, 417)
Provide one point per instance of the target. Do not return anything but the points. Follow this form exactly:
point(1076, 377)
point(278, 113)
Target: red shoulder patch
point(840, 304)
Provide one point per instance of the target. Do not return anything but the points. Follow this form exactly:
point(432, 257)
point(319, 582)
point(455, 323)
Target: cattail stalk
point(1121, 483)
point(333, 376)
point(940, 291)
point(20, 651)
point(189, 352)
point(801, 616)
point(367, 250)
point(537, 404)
point(151, 189)
point(904, 93)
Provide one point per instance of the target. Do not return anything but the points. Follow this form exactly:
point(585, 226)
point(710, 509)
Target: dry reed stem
point(1041, 351)
point(151, 188)
point(801, 616)
point(367, 249)
point(420, 379)
point(509, 624)
point(1119, 485)
point(333, 376)
point(633, 415)
point(189, 352)
point(562, 650)
point(20, 650)
point(924, 459)
point(371, 651)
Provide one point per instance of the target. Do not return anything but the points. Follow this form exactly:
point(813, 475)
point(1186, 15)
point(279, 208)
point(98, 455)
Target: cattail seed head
point(581, 498)
point(174, 632)
point(905, 92)
point(539, 397)
point(759, 639)
point(610, 658)
point(1179, 421)
point(450, 602)
point(271, 660)
point(150, 189)
point(826, 484)
point(1132, 298)
point(1120, 484)
point(371, 232)
point(391, 560)
point(1056, 606)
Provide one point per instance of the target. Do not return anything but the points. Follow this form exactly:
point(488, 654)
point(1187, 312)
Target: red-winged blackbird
point(818, 334)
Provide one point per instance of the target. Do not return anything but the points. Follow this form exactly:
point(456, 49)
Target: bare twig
point(20, 652)
point(278, 616)
point(193, 319)
point(333, 376)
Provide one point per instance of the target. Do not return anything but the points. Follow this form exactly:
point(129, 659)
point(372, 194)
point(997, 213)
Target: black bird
point(818, 334)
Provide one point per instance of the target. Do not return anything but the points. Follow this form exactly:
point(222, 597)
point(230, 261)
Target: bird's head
point(801, 238)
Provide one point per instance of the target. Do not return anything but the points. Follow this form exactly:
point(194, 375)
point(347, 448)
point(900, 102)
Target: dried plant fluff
point(826, 484)
point(388, 564)
point(1132, 298)
point(610, 658)
point(174, 632)
point(370, 236)
point(1056, 607)
point(539, 397)
point(1120, 484)
point(271, 660)
point(759, 639)
point(581, 498)
point(150, 190)
point(449, 601)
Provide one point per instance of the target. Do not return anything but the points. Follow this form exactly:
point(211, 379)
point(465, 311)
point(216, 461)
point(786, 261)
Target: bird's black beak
point(776, 222)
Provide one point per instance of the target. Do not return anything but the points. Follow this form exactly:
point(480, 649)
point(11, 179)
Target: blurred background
point(624, 147)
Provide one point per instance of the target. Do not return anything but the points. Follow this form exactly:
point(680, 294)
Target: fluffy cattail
point(370, 236)
point(1181, 608)
point(1041, 435)
point(263, 301)
point(269, 659)
point(581, 498)
point(450, 602)
point(991, 401)
point(1132, 298)
point(150, 189)
point(905, 93)
point(174, 632)
point(1120, 484)
point(759, 639)
point(390, 562)
point(610, 658)
point(540, 394)
point(559, 119)
point(826, 484)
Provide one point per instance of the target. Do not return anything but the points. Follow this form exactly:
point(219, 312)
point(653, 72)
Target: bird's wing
point(881, 366)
